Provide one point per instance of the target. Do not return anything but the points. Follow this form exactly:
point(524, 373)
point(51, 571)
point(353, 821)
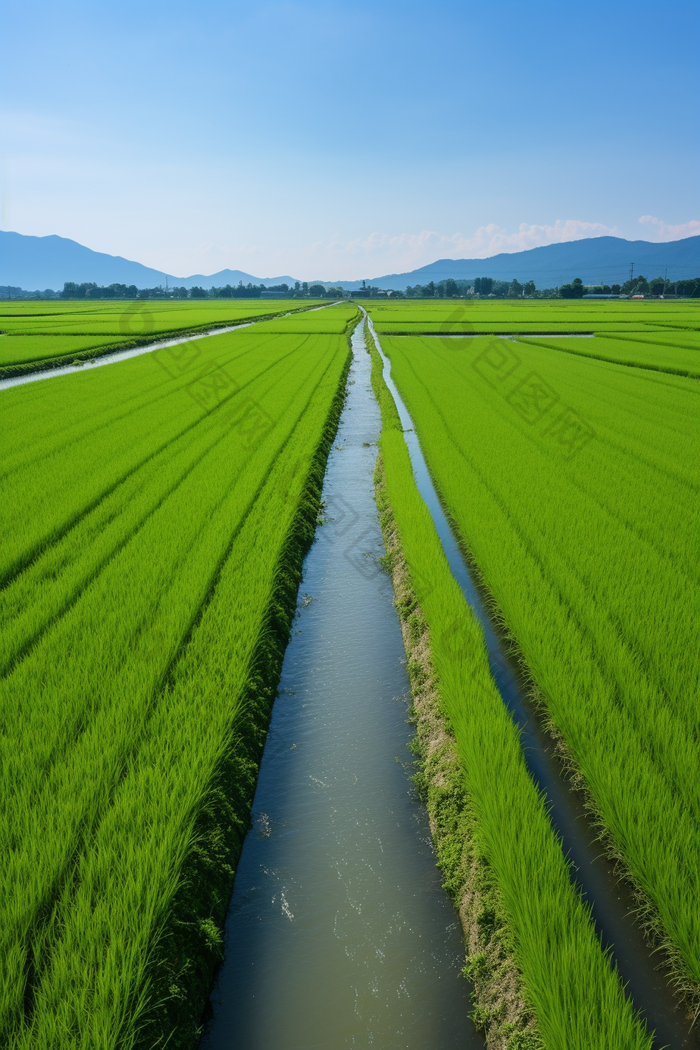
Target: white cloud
point(407, 251)
point(383, 253)
point(662, 231)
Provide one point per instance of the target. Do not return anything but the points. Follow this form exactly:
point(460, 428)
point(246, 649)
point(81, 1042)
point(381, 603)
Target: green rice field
point(28, 349)
point(156, 512)
point(42, 334)
point(628, 350)
point(573, 483)
point(526, 315)
point(577, 998)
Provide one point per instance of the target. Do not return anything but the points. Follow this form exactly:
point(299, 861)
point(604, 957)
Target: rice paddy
point(577, 998)
point(572, 481)
point(156, 513)
point(36, 335)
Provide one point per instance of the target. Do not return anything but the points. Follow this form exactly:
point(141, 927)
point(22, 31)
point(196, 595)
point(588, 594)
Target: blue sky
point(347, 140)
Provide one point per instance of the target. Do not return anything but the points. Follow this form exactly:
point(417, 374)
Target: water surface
point(339, 933)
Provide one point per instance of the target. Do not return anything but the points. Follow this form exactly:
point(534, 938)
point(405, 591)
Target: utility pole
point(631, 271)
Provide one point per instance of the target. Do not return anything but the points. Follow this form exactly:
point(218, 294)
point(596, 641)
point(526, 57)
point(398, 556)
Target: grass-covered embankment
point(540, 975)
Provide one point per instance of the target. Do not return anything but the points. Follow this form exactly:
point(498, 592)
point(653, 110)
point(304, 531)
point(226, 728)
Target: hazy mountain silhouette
point(596, 260)
point(47, 262)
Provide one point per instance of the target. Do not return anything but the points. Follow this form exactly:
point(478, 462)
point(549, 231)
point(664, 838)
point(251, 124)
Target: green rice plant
point(444, 316)
point(629, 350)
point(577, 997)
point(21, 349)
point(334, 319)
point(675, 338)
point(121, 425)
point(139, 316)
point(38, 339)
point(573, 483)
point(158, 622)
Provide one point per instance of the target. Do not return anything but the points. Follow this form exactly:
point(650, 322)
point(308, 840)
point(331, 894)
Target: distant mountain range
point(48, 262)
point(596, 260)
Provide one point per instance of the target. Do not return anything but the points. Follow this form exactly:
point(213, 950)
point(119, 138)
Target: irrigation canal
point(611, 901)
point(339, 934)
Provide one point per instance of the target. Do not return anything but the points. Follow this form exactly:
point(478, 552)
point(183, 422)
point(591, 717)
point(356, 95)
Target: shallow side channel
point(611, 901)
point(339, 933)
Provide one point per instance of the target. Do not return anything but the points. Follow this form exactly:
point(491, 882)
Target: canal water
point(339, 934)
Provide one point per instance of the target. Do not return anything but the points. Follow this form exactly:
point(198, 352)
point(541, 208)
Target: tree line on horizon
point(89, 290)
point(479, 287)
point(689, 289)
point(486, 287)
